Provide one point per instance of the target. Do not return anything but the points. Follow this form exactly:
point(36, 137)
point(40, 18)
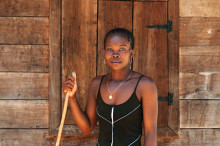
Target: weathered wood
point(199, 114)
point(150, 52)
point(24, 85)
point(24, 8)
point(193, 137)
point(79, 44)
point(199, 8)
point(200, 59)
point(24, 58)
point(192, 83)
point(173, 48)
point(40, 137)
point(108, 18)
point(24, 30)
point(214, 86)
point(24, 114)
point(199, 32)
point(55, 65)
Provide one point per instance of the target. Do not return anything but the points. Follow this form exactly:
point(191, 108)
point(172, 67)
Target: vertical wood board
point(24, 8)
point(109, 18)
point(55, 64)
point(79, 44)
point(24, 58)
point(150, 52)
point(24, 114)
point(24, 30)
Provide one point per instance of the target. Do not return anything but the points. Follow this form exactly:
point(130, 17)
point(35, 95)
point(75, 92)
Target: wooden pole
point(64, 114)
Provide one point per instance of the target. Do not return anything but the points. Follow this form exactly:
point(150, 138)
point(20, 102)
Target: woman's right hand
point(70, 85)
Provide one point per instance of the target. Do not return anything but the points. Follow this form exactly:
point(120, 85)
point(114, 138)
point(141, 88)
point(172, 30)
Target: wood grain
point(193, 137)
point(200, 59)
point(199, 114)
point(24, 85)
point(214, 86)
point(24, 58)
point(150, 53)
point(79, 44)
point(24, 30)
point(199, 32)
point(199, 8)
point(108, 18)
point(55, 65)
point(24, 114)
point(24, 8)
point(173, 55)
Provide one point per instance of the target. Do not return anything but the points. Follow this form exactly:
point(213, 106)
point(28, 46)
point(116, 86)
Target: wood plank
point(194, 137)
point(20, 30)
point(199, 32)
point(214, 85)
point(200, 59)
point(108, 19)
point(24, 85)
point(40, 137)
point(55, 64)
point(24, 114)
point(199, 86)
point(150, 51)
point(26, 58)
point(79, 44)
point(192, 84)
point(24, 8)
point(199, 114)
point(173, 48)
point(199, 8)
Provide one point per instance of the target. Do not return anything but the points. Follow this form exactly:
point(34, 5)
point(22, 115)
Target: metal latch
point(169, 99)
point(167, 26)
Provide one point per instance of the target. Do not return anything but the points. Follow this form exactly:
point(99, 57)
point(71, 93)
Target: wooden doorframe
point(55, 68)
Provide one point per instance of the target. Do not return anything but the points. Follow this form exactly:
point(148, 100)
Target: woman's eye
point(109, 49)
point(122, 49)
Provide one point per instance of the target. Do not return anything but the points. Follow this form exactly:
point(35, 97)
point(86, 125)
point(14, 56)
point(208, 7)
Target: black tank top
point(120, 125)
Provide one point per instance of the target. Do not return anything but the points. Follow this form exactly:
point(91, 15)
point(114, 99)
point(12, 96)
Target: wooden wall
point(24, 74)
point(199, 78)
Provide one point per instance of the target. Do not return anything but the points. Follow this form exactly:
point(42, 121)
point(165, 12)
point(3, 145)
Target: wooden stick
point(64, 114)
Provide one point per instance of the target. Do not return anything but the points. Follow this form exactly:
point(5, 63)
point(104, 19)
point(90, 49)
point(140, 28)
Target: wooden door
point(84, 25)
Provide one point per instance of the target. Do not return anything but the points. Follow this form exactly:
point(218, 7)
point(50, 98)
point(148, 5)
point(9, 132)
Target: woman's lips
point(115, 62)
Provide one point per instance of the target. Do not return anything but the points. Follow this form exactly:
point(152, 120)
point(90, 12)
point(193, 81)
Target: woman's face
point(118, 51)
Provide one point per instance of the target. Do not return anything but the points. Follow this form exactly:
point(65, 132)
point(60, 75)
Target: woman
point(120, 100)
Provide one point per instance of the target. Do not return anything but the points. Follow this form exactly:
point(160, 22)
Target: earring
point(104, 61)
point(131, 60)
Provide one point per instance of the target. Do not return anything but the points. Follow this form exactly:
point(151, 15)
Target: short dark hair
point(121, 31)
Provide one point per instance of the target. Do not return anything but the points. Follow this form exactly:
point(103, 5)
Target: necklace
point(111, 93)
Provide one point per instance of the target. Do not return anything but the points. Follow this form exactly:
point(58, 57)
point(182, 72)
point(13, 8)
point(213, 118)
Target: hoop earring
point(131, 60)
point(104, 61)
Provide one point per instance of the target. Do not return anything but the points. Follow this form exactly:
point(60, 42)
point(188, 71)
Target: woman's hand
point(70, 85)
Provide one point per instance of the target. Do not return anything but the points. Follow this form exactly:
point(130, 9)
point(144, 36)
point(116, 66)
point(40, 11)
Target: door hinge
point(167, 26)
point(169, 98)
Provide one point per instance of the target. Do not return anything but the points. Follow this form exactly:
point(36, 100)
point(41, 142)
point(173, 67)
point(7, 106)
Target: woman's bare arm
point(150, 111)
point(86, 120)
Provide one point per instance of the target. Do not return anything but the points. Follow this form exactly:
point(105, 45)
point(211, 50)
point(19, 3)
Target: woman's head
point(122, 32)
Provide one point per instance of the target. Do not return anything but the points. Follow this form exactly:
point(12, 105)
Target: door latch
point(167, 26)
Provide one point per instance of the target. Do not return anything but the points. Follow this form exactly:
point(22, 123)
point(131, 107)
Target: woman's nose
point(115, 55)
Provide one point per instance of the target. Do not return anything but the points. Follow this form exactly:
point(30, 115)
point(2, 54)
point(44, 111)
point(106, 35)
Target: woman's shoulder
point(145, 82)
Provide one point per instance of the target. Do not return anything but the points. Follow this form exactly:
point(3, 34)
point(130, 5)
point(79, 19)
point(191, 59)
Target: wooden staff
point(64, 114)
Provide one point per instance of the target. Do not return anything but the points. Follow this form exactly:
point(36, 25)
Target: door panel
point(109, 18)
point(150, 52)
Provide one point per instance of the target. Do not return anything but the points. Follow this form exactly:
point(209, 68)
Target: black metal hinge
point(167, 26)
point(169, 99)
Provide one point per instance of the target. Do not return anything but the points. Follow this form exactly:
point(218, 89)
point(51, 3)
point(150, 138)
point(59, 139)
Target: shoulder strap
point(138, 82)
point(100, 83)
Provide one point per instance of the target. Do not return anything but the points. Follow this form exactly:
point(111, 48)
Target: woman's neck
point(119, 75)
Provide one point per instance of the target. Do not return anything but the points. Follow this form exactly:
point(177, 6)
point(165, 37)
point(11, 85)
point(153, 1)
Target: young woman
point(120, 100)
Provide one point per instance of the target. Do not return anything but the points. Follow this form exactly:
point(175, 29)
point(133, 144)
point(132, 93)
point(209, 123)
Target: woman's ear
point(131, 53)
